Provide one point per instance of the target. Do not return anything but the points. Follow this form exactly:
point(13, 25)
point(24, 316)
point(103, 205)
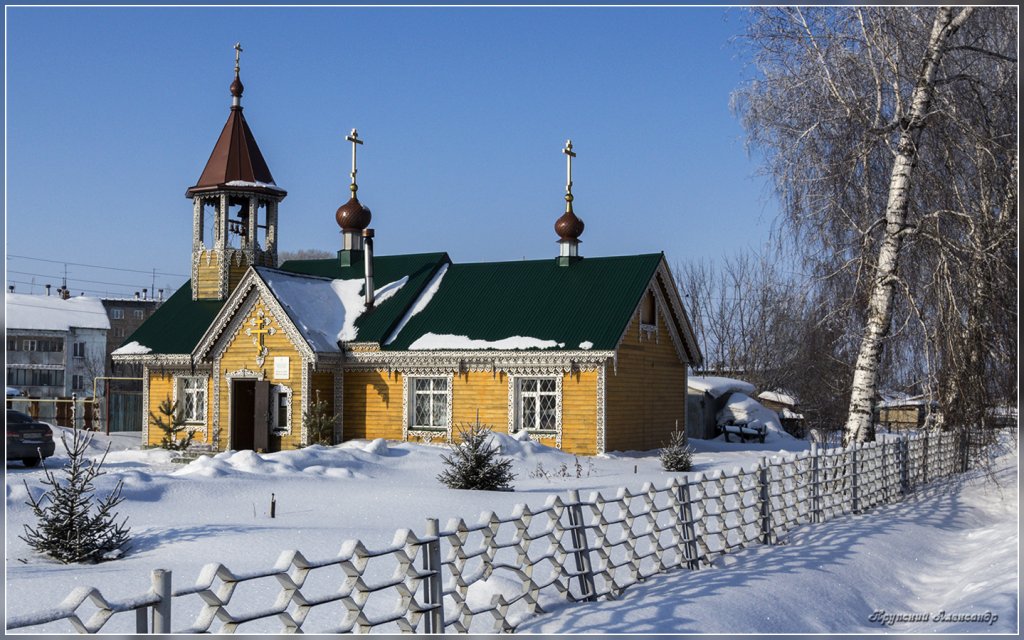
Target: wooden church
point(585, 354)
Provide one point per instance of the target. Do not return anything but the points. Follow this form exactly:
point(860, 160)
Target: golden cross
point(354, 139)
point(259, 331)
point(569, 155)
point(238, 52)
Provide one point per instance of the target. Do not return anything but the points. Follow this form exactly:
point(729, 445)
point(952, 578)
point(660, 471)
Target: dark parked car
point(27, 440)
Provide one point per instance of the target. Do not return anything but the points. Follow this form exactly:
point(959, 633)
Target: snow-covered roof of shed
point(778, 396)
point(53, 313)
point(717, 386)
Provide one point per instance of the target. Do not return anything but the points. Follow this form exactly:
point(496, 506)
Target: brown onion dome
point(353, 216)
point(569, 227)
point(237, 87)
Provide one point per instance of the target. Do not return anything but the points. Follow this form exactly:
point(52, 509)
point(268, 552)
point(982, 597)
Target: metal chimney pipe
point(145, 294)
point(47, 291)
point(136, 295)
point(10, 288)
point(368, 263)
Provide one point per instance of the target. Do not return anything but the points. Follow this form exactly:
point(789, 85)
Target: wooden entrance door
point(250, 415)
point(243, 410)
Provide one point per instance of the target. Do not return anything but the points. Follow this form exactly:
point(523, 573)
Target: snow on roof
point(448, 341)
point(324, 310)
point(586, 345)
point(904, 402)
point(256, 183)
point(421, 302)
point(131, 349)
point(778, 396)
point(790, 415)
point(53, 313)
point(717, 386)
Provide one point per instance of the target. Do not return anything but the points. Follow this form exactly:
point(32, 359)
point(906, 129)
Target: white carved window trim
point(515, 406)
point(277, 390)
point(409, 409)
point(181, 390)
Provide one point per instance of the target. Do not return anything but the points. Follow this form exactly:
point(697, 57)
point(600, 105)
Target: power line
point(94, 292)
point(44, 275)
point(96, 266)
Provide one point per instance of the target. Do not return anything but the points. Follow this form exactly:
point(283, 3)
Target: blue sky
point(112, 113)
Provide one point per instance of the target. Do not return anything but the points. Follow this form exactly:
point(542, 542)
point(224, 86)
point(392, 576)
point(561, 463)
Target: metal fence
point(490, 575)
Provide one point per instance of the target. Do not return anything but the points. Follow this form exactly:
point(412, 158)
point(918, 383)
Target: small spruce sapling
point(677, 454)
point(172, 422)
point(320, 422)
point(475, 463)
point(69, 529)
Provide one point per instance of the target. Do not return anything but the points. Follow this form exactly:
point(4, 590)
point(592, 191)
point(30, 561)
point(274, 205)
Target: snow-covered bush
point(172, 422)
point(677, 455)
point(69, 529)
point(475, 464)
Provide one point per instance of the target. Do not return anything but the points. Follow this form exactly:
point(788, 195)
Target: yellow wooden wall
point(207, 285)
point(161, 386)
point(646, 393)
point(373, 405)
point(241, 353)
point(579, 412)
point(208, 276)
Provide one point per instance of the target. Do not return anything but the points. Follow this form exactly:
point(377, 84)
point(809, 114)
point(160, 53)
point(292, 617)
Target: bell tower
point(234, 207)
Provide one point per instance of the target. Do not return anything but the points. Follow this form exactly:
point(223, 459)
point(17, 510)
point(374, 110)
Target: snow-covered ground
point(946, 558)
point(825, 578)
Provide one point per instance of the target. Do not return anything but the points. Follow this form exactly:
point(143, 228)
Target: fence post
point(432, 587)
point(162, 609)
point(74, 410)
point(924, 461)
point(883, 471)
point(965, 441)
point(815, 484)
point(581, 551)
point(904, 453)
point(854, 488)
point(688, 531)
point(765, 499)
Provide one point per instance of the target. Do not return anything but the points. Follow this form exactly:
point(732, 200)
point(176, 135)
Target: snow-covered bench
point(744, 431)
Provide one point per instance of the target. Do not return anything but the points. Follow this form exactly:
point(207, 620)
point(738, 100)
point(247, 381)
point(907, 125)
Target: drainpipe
point(368, 262)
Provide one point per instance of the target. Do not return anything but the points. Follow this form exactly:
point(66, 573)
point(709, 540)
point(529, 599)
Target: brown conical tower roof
point(236, 158)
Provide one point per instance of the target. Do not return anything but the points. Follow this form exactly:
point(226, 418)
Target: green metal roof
point(591, 300)
point(178, 324)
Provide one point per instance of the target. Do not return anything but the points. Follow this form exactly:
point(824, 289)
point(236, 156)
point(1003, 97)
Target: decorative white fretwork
point(514, 383)
point(276, 429)
point(601, 441)
point(339, 406)
point(409, 409)
point(307, 375)
point(193, 425)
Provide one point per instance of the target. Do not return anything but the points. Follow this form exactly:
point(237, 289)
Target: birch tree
point(850, 107)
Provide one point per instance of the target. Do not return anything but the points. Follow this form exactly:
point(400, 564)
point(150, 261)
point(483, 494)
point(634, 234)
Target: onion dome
point(237, 87)
point(353, 216)
point(569, 227)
